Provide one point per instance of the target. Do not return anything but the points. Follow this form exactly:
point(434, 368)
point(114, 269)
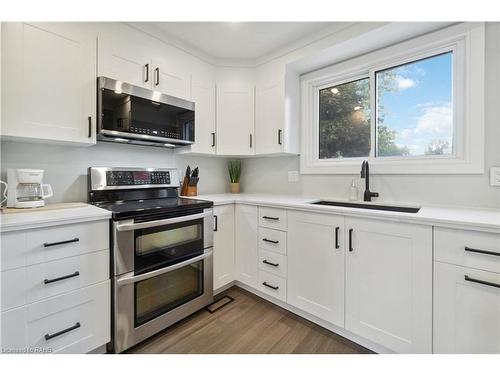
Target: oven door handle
point(149, 224)
point(133, 279)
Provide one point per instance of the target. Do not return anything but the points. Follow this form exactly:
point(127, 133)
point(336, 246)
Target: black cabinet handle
point(48, 281)
point(49, 244)
point(250, 140)
point(147, 73)
point(482, 251)
point(270, 286)
point(265, 261)
point(213, 139)
point(279, 136)
point(157, 74)
point(90, 126)
point(270, 218)
point(337, 237)
point(350, 240)
point(216, 223)
point(51, 336)
point(472, 280)
point(272, 241)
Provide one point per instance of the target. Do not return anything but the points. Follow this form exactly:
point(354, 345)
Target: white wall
point(66, 166)
point(269, 175)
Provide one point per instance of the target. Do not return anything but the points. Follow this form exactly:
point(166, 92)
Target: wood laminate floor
point(250, 325)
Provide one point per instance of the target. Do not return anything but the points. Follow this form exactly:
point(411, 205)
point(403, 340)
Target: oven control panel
point(127, 178)
point(102, 178)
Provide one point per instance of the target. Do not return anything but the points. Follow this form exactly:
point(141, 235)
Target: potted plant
point(234, 168)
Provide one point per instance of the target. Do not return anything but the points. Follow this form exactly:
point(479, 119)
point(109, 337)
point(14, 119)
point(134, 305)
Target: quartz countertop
point(37, 219)
point(454, 217)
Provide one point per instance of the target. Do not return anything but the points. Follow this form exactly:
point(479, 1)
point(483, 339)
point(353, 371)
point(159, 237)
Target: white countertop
point(455, 217)
point(38, 219)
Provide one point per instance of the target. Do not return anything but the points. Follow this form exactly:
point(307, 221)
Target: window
point(344, 120)
point(415, 108)
point(405, 108)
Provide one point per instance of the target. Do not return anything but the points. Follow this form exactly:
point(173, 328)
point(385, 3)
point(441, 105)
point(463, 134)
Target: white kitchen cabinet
point(171, 76)
point(316, 265)
point(235, 119)
point(389, 283)
point(49, 82)
point(247, 254)
point(223, 245)
point(277, 102)
point(466, 312)
point(125, 58)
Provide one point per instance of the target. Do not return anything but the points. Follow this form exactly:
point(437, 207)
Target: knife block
point(188, 191)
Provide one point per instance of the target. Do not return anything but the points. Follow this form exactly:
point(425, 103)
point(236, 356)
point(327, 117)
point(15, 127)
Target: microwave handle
point(134, 279)
point(150, 224)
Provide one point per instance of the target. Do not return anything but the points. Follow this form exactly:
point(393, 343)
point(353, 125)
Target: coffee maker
point(25, 188)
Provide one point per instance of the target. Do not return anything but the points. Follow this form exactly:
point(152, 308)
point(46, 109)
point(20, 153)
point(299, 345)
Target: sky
point(420, 107)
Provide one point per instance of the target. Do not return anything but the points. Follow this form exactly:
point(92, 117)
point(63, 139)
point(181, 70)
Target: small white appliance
point(26, 189)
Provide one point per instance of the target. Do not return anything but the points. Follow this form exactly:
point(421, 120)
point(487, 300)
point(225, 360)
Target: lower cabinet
point(223, 245)
point(247, 254)
point(316, 265)
point(389, 284)
point(466, 310)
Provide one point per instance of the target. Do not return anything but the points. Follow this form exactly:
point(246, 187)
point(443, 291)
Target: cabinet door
point(316, 265)
point(389, 284)
point(269, 118)
point(223, 245)
point(247, 256)
point(466, 313)
point(203, 95)
point(49, 82)
point(235, 119)
point(125, 60)
point(171, 77)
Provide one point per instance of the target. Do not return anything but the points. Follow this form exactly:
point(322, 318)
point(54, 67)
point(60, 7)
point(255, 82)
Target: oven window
point(150, 242)
point(160, 294)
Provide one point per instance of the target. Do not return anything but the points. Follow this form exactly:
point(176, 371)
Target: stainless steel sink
point(366, 206)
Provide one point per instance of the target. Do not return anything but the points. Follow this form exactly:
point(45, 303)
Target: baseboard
point(329, 326)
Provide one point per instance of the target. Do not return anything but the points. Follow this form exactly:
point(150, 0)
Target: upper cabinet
point(276, 111)
point(235, 118)
point(171, 76)
point(49, 82)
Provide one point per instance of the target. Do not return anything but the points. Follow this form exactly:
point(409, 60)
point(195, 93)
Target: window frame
point(466, 42)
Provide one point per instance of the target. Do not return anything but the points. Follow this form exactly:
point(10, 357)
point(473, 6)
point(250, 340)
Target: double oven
point(162, 266)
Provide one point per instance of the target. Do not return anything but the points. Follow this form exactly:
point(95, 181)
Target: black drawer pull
point(467, 278)
point(48, 336)
point(270, 218)
point(482, 251)
point(216, 223)
point(270, 286)
point(48, 281)
point(213, 139)
point(271, 264)
point(350, 240)
point(49, 244)
point(337, 237)
point(90, 126)
point(272, 241)
point(279, 136)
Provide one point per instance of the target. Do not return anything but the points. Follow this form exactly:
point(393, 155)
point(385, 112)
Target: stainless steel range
point(161, 250)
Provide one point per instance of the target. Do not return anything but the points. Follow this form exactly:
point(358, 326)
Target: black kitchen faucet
point(365, 173)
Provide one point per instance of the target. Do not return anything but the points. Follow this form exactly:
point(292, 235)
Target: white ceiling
point(239, 40)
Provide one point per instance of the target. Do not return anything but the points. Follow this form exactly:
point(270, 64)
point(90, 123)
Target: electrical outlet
point(495, 176)
point(293, 176)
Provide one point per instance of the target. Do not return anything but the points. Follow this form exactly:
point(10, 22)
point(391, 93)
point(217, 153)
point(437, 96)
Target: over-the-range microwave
point(132, 114)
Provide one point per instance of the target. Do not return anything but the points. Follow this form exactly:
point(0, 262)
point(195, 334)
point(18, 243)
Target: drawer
point(272, 240)
point(26, 284)
point(274, 218)
point(24, 248)
point(273, 263)
point(450, 247)
point(273, 285)
point(82, 319)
